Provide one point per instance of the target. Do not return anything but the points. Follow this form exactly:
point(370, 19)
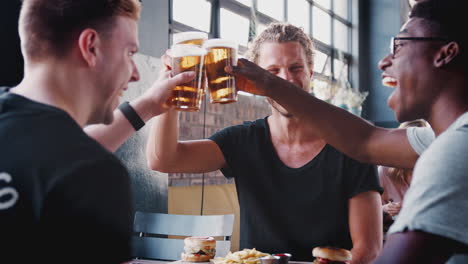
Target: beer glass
point(187, 96)
point(190, 37)
point(195, 38)
point(221, 85)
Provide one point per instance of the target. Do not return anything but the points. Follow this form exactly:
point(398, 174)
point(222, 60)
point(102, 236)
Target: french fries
point(246, 256)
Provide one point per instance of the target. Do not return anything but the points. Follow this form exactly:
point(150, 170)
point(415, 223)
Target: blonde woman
point(395, 182)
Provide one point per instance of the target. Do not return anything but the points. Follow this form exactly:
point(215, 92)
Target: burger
point(331, 255)
point(199, 249)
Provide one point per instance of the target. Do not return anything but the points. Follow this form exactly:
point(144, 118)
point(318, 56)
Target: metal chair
point(153, 228)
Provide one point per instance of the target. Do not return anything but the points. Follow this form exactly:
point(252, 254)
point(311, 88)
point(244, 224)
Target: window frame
point(243, 10)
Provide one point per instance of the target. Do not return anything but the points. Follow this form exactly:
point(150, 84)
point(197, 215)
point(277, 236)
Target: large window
point(299, 14)
point(329, 22)
point(194, 13)
point(321, 25)
point(234, 27)
point(271, 8)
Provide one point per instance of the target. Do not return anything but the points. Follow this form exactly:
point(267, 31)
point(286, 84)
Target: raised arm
point(350, 134)
point(166, 154)
point(148, 105)
point(365, 224)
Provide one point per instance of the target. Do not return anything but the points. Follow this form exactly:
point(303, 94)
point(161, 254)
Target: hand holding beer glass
point(185, 57)
point(193, 52)
point(222, 85)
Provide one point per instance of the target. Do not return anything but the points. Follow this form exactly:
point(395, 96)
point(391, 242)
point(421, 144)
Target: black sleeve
point(361, 178)
point(229, 141)
point(88, 214)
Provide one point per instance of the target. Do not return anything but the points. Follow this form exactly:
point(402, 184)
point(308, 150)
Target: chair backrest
point(153, 228)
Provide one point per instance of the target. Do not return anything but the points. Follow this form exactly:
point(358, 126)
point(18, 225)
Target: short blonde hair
point(281, 33)
point(48, 27)
point(400, 176)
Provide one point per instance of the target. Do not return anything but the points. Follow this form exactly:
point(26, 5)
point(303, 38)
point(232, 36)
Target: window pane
point(341, 36)
point(325, 3)
point(234, 27)
point(245, 2)
point(340, 7)
point(298, 14)
point(320, 59)
point(260, 28)
point(183, 12)
point(341, 70)
point(272, 8)
point(321, 25)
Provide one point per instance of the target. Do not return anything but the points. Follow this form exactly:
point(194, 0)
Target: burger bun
point(202, 242)
point(332, 253)
point(198, 249)
point(195, 258)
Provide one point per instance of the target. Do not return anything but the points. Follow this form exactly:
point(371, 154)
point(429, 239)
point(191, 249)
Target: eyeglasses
point(394, 44)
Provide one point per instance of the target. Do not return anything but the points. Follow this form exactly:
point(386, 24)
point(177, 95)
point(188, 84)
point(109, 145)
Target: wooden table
point(142, 261)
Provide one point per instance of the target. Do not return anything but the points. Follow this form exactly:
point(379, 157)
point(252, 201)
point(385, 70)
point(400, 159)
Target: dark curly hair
point(444, 18)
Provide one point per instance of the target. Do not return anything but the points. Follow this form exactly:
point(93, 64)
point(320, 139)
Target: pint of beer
point(222, 86)
point(190, 37)
point(194, 38)
point(187, 96)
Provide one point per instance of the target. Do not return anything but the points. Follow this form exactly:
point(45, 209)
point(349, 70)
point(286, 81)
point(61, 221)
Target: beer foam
point(184, 50)
point(220, 43)
point(189, 35)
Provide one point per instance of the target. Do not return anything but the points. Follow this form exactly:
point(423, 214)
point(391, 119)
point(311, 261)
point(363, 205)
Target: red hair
point(48, 27)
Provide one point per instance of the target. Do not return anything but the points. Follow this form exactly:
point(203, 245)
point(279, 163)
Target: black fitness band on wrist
point(131, 115)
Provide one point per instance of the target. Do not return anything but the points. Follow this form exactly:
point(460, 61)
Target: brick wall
point(217, 117)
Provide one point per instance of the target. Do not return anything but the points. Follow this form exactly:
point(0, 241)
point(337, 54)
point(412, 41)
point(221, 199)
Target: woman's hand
point(392, 208)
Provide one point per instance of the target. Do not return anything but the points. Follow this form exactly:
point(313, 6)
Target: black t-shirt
point(63, 197)
point(285, 209)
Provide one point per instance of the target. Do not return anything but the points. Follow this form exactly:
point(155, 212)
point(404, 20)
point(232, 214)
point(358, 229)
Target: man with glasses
point(428, 69)
point(396, 42)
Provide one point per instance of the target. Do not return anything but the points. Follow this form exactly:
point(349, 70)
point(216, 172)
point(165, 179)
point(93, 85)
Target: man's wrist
point(146, 107)
point(131, 115)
